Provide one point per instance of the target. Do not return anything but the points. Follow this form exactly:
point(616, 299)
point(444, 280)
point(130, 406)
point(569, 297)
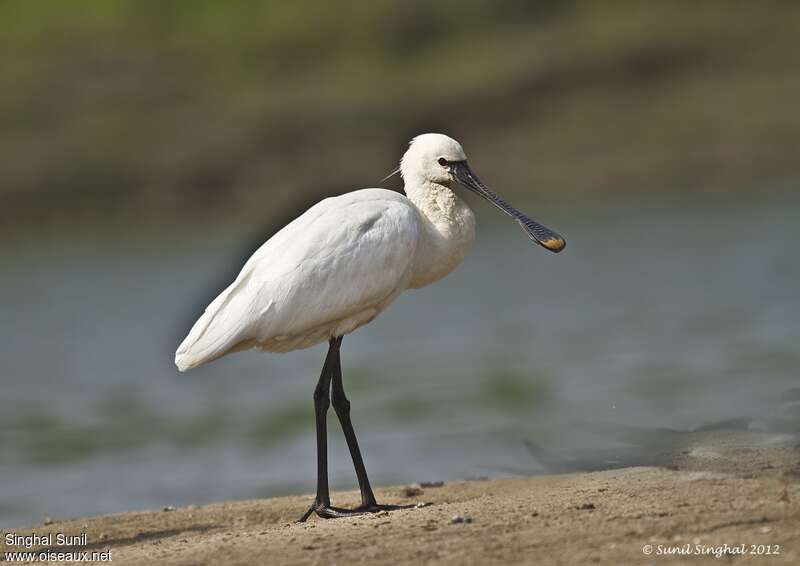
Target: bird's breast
point(443, 245)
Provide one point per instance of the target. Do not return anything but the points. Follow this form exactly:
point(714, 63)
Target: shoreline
point(732, 494)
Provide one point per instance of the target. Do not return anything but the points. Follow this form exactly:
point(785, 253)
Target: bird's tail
point(215, 333)
point(193, 352)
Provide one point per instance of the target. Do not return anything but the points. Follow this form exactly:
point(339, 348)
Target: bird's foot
point(330, 512)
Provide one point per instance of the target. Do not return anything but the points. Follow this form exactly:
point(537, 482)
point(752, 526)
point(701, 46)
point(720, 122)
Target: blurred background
point(147, 148)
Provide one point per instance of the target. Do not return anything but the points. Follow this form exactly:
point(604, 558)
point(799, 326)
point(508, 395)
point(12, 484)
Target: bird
point(338, 266)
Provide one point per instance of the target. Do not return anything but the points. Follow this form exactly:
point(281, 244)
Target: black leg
point(321, 404)
point(342, 407)
point(332, 372)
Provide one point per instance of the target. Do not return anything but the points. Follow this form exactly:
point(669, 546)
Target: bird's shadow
point(122, 541)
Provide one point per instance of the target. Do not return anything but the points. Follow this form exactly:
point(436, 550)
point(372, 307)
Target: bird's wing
point(344, 255)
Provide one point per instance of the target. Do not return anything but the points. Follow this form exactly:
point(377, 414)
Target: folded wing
point(344, 256)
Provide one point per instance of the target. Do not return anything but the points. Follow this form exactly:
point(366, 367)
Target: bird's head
point(428, 158)
point(439, 159)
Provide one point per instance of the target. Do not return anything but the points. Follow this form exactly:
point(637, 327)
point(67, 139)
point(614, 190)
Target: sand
point(740, 489)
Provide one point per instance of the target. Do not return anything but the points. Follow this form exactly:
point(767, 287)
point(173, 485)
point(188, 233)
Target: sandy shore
point(739, 489)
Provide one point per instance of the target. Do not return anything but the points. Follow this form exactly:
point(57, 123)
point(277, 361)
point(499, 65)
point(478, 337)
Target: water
point(657, 316)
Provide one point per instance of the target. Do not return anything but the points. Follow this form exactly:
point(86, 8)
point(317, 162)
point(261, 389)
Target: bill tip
point(554, 244)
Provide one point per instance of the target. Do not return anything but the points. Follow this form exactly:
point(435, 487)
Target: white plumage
point(341, 263)
point(337, 267)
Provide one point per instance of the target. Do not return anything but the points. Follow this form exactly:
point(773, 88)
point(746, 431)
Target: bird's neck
point(437, 202)
point(449, 230)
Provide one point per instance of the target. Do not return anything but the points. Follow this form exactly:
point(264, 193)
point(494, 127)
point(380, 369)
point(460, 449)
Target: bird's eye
point(443, 162)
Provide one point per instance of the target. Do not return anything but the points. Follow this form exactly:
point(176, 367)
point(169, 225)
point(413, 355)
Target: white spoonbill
point(336, 267)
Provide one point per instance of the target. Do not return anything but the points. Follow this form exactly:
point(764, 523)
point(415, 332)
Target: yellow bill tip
point(554, 244)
